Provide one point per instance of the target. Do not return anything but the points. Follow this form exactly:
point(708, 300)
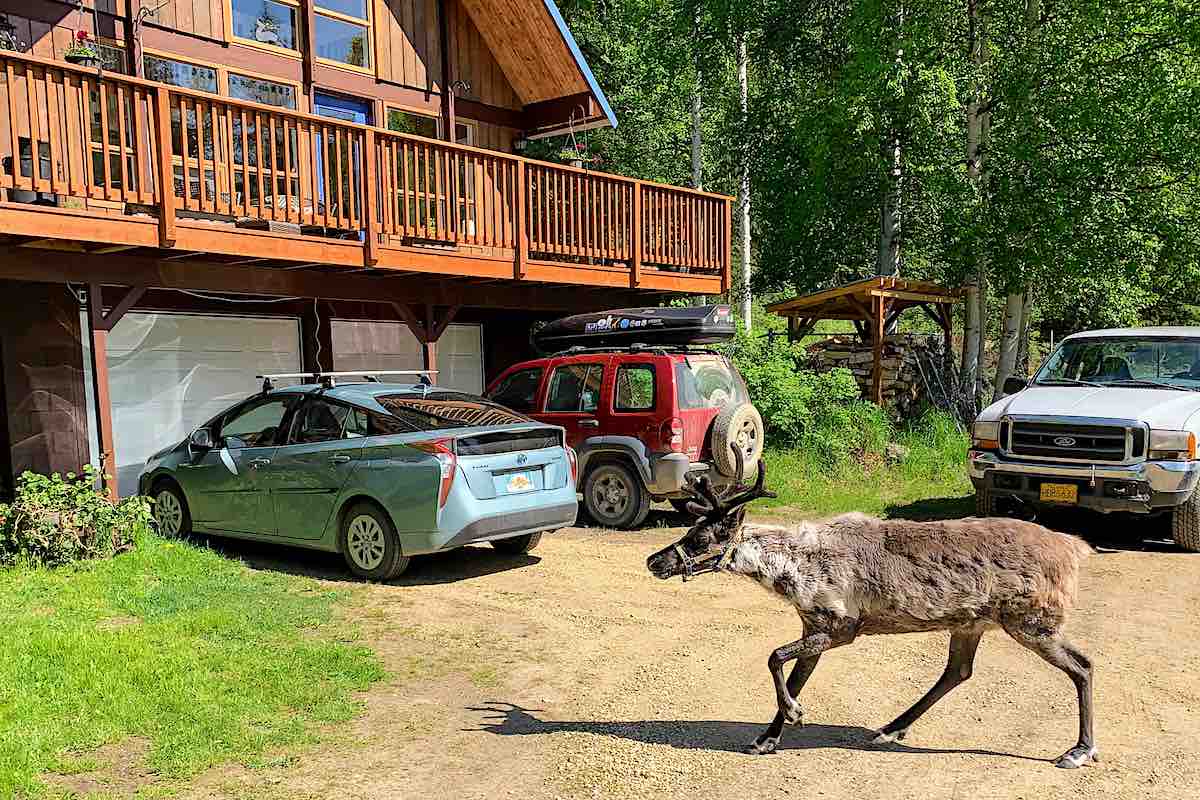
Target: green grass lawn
point(930, 482)
point(205, 659)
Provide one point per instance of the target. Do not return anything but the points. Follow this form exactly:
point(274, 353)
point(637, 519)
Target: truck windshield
point(1150, 362)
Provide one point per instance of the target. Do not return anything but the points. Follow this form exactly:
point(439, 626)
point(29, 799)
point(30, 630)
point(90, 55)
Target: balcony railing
point(73, 136)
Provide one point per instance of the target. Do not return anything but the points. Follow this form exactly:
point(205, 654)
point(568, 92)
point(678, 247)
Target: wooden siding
point(199, 17)
point(45, 28)
point(408, 43)
point(475, 63)
point(516, 34)
point(493, 137)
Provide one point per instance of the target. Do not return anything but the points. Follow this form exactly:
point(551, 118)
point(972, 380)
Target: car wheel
point(171, 512)
point(369, 543)
point(1185, 523)
point(738, 426)
point(614, 497)
point(517, 545)
point(984, 505)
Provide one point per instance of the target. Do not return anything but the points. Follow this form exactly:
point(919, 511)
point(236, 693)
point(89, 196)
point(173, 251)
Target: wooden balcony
point(86, 155)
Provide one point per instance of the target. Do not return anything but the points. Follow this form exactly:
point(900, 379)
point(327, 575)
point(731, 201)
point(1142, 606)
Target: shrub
point(818, 411)
point(55, 520)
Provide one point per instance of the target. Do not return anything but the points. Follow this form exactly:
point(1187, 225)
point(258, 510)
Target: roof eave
point(584, 69)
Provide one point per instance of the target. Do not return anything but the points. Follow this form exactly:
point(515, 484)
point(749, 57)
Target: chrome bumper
point(1168, 477)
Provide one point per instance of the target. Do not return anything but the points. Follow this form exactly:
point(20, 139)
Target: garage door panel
point(364, 345)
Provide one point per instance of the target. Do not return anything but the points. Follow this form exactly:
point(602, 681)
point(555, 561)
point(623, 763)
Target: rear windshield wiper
point(1149, 382)
point(1065, 382)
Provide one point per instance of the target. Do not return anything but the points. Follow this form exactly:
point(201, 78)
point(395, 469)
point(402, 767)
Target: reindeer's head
point(717, 527)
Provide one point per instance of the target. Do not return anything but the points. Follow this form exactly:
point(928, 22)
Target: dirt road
point(573, 673)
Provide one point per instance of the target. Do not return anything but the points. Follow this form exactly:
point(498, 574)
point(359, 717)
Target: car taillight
point(672, 434)
point(574, 461)
point(443, 451)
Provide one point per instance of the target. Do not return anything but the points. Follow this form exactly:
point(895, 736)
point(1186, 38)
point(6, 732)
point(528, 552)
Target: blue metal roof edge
point(556, 15)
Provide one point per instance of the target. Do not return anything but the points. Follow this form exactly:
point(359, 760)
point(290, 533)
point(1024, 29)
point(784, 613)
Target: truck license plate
point(519, 482)
point(1060, 493)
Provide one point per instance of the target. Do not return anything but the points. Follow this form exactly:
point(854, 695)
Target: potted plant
point(575, 154)
point(82, 52)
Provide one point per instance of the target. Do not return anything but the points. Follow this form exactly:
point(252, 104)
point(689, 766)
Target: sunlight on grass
point(208, 660)
point(931, 480)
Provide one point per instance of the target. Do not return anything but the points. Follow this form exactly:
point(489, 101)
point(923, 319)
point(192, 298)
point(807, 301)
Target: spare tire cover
point(738, 425)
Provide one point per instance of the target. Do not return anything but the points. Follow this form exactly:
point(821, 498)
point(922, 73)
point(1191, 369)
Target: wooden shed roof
point(855, 300)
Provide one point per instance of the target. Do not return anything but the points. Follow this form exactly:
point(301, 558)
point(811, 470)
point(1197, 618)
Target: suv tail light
point(672, 434)
point(443, 451)
point(573, 459)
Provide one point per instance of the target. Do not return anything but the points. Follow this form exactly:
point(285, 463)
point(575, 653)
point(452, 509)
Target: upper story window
point(179, 73)
point(410, 122)
point(342, 31)
point(266, 22)
point(257, 90)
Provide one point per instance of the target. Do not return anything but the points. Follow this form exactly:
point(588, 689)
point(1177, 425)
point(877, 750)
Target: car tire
point(369, 543)
point(985, 504)
point(170, 510)
point(738, 426)
point(614, 497)
point(1185, 523)
point(517, 545)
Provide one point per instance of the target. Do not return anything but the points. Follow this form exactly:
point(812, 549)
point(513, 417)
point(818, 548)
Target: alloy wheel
point(168, 513)
point(610, 494)
point(365, 542)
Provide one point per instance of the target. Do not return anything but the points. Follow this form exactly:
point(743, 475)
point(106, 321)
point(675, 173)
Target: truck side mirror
point(1013, 384)
point(201, 439)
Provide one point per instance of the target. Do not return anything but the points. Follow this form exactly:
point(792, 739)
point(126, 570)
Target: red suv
point(641, 419)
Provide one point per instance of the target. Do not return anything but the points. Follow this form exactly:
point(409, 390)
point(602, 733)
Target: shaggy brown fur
point(855, 575)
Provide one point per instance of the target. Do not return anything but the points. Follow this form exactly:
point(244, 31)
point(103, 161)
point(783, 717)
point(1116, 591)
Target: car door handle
point(339, 459)
point(589, 423)
point(255, 463)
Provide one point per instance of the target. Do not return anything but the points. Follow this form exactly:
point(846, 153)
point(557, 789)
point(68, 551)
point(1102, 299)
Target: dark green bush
point(55, 520)
point(801, 408)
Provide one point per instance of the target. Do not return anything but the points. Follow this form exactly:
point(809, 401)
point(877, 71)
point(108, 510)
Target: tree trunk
point(744, 184)
point(1023, 366)
point(697, 117)
point(978, 123)
point(890, 209)
point(1010, 341)
point(971, 337)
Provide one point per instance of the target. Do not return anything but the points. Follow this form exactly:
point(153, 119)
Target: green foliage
point(817, 411)
point(206, 659)
point(55, 520)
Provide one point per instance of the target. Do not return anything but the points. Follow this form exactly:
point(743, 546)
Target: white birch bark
point(743, 59)
point(1010, 341)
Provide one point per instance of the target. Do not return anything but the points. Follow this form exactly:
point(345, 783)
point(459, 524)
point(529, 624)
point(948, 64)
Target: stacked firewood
point(906, 364)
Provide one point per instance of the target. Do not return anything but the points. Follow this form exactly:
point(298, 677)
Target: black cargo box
point(648, 326)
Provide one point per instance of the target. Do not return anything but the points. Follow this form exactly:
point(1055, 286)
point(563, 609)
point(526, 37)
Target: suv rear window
point(445, 410)
point(707, 381)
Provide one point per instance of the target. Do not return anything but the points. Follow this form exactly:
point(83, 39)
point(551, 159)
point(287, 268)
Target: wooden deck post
point(99, 325)
point(877, 334)
point(726, 229)
point(166, 169)
point(635, 272)
point(371, 202)
point(522, 256)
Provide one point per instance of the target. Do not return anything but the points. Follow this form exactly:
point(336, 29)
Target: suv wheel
point(1185, 523)
point(984, 505)
point(613, 496)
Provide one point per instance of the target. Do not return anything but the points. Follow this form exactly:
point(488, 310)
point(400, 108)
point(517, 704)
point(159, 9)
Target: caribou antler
point(709, 505)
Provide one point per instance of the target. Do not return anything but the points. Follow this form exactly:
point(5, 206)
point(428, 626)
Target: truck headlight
point(985, 436)
point(1172, 446)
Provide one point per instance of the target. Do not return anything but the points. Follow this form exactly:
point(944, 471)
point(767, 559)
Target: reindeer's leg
point(963, 644)
point(1057, 651)
point(833, 632)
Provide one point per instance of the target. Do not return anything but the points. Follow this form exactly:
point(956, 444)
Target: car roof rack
point(328, 380)
point(661, 349)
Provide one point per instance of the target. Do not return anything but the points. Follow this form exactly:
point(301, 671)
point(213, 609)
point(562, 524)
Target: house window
point(342, 31)
point(112, 58)
point(409, 122)
point(178, 73)
point(265, 22)
point(257, 90)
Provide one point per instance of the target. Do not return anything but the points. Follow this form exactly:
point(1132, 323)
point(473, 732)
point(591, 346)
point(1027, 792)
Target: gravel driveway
point(573, 673)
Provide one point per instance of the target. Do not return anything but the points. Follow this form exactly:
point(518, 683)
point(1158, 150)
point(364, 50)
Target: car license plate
point(1060, 493)
point(519, 482)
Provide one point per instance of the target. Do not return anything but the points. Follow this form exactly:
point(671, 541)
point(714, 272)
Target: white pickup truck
point(1109, 423)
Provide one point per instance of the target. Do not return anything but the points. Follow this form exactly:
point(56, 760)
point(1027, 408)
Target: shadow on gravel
point(507, 719)
point(449, 567)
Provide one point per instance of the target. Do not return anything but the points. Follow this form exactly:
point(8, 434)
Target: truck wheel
point(613, 496)
point(984, 505)
point(738, 426)
point(1185, 523)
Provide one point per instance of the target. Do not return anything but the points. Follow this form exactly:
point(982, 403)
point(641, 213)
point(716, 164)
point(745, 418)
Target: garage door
point(168, 373)
point(391, 345)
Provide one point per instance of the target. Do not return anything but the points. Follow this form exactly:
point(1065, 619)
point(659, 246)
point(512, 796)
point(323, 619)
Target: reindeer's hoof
point(763, 745)
point(1077, 757)
point(889, 738)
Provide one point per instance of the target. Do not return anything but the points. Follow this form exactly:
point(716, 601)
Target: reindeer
point(855, 575)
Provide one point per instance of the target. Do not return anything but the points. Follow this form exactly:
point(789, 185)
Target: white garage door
point(391, 345)
point(168, 373)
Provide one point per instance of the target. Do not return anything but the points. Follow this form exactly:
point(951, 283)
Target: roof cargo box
point(646, 326)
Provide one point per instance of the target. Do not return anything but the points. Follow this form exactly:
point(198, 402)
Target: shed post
point(877, 333)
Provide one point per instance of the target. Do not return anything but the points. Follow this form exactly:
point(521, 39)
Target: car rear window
point(707, 381)
point(446, 410)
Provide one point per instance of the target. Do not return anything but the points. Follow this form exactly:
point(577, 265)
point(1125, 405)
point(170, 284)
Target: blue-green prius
point(378, 472)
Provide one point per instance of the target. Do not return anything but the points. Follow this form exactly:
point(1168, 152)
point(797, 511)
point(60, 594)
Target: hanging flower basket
point(82, 52)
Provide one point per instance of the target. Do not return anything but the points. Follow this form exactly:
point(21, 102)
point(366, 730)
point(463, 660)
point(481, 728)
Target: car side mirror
point(1013, 384)
point(201, 439)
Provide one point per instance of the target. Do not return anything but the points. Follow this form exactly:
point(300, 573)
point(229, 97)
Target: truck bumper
point(1140, 488)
